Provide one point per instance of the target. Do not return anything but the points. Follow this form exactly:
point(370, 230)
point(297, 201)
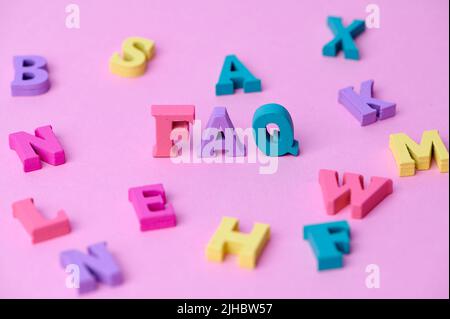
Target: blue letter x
point(343, 38)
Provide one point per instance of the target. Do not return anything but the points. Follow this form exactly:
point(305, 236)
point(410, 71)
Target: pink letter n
point(32, 149)
point(151, 207)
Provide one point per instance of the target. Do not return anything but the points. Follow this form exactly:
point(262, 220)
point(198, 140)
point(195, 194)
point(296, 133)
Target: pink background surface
point(105, 126)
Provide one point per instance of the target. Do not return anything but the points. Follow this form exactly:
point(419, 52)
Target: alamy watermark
point(73, 16)
point(373, 277)
point(225, 146)
point(373, 17)
point(73, 279)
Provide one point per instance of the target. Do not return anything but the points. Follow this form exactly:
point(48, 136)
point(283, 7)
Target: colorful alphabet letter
point(136, 52)
point(234, 76)
point(228, 240)
point(40, 228)
point(221, 135)
point(96, 266)
point(329, 242)
point(168, 118)
point(31, 76)
point(364, 107)
point(410, 156)
point(32, 149)
point(352, 192)
point(151, 207)
point(281, 142)
point(343, 38)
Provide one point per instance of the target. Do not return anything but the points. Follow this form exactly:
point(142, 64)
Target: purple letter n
point(97, 266)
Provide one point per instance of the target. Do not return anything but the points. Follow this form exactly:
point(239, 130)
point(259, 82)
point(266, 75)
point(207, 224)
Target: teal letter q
point(282, 141)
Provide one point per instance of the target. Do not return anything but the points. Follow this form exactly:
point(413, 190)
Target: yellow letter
point(411, 156)
point(228, 240)
point(136, 52)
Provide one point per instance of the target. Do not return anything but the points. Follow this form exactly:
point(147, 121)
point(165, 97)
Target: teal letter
point(235, 75)
point(329, 242)
point(282, 140)
point(343, 38)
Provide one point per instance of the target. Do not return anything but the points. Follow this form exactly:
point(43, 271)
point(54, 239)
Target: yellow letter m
point(411, 156)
